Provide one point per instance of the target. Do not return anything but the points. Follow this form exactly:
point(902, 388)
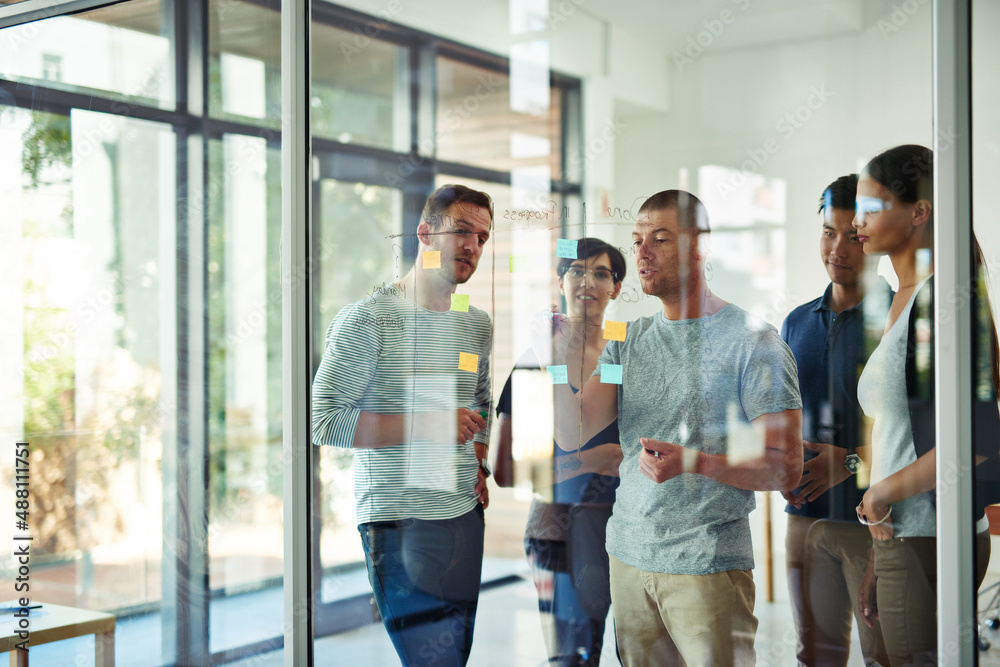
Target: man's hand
point(661, 461)
point(820, 473)
point(482, 491)
point(867, 603)
point(792, 499)
point(468, 424)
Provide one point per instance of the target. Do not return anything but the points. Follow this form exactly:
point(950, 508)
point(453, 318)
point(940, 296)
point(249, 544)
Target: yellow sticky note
point(468, 362)
point(460, 302)
point(432, 259)
point(518, 263)
point(614, 330)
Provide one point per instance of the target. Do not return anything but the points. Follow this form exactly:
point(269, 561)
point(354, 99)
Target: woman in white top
point(895, 217)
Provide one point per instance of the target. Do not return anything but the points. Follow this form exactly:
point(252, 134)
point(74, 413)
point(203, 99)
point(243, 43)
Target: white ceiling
point(751, 22)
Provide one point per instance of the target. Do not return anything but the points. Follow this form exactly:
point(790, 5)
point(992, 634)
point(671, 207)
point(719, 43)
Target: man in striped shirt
point(403, 380)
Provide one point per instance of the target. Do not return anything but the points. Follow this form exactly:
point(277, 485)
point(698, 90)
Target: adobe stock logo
point(697, 44)
point(787, 125)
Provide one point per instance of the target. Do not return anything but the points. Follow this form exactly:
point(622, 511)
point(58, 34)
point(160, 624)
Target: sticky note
point(566, 248)
point(518, 263)
point(558, 374)
point(611, 374)
point(432, 259)
point(460, 302)
point(614, 330)
point(468, 362)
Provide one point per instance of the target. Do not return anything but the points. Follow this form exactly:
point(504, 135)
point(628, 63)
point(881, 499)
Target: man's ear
point(424, 232)
point(704, 241)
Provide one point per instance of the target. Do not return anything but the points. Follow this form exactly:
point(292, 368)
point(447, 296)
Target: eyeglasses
point(600, 275)
point(867, 205)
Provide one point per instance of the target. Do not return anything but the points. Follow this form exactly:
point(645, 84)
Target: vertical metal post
point(953, 321)
point(184, 608)
point(296, 158)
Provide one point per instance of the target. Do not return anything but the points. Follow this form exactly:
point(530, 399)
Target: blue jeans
point(425, 576)
point(581, 586)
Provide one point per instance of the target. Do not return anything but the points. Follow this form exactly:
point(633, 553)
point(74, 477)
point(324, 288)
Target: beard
point(457, 273)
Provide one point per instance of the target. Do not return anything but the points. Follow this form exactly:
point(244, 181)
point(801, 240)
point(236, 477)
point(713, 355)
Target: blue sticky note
point(566, 248)
point(611, 374)
point(558, 374)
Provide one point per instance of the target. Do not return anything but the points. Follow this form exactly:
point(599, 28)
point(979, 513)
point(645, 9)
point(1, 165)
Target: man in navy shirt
point(826, 548)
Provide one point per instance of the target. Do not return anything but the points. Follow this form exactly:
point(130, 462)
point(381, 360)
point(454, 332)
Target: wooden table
point(58, 623)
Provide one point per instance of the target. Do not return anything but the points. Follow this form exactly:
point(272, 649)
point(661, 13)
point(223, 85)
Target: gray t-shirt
point(697, 383)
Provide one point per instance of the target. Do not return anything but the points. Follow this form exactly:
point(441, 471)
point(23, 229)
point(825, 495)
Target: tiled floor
point(508, 633)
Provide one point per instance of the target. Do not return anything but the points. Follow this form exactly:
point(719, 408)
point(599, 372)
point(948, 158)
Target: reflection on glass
point(90, 217)
point(404, 383)
point(897, 390)
point(480, 122)
point(826, 549)
point(245, 61)
point(244, 391)
point(574, 487)
point(123, 52)
point(360, 89)
point(357, 254)
point(985, 359)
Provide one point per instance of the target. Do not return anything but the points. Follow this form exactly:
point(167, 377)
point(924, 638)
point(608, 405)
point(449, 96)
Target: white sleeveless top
point(882, 395)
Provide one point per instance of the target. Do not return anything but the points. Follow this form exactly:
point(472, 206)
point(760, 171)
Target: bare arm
point(602, 459)
point(778, 468)
point(376, 430)
point(918, 477)
point(503, 471)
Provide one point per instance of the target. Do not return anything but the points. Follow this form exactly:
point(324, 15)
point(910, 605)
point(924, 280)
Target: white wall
point(728, 103)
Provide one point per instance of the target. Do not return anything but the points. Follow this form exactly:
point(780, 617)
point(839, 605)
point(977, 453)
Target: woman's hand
point(549, 332)
point(867, 603)
point(874, 507)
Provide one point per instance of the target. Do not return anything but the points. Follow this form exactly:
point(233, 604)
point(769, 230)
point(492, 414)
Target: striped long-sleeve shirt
point(386, 355)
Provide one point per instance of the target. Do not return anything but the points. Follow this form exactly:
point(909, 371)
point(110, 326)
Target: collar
point(824, 302)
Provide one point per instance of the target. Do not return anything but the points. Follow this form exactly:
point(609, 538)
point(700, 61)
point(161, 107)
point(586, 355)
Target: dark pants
point(425, 576)
point(578, 571)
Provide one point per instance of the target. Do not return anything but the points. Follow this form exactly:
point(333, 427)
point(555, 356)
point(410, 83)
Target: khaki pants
point(835, 560)
point(682, 619)
point(907, 595)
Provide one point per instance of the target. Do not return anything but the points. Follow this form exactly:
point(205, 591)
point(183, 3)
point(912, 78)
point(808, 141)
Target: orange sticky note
point(468, 362)
point(432, 259)
point(614, 330)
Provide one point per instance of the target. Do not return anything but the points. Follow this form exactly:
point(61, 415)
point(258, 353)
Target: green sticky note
point(518, 263)
point(460, 302)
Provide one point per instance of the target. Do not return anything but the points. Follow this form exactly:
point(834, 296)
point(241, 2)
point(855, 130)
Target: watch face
point(852, 463)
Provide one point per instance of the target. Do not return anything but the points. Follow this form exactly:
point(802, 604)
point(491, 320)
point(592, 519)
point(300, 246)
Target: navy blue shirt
point(829, 350)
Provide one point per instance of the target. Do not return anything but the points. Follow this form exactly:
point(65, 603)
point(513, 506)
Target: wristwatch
point(485, 467)
point(852, 461)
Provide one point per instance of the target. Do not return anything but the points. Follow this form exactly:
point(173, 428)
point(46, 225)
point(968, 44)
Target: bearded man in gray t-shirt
point(709, 412)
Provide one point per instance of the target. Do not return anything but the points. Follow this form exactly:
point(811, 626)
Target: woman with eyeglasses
point(564, 539)
point(895, 217)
